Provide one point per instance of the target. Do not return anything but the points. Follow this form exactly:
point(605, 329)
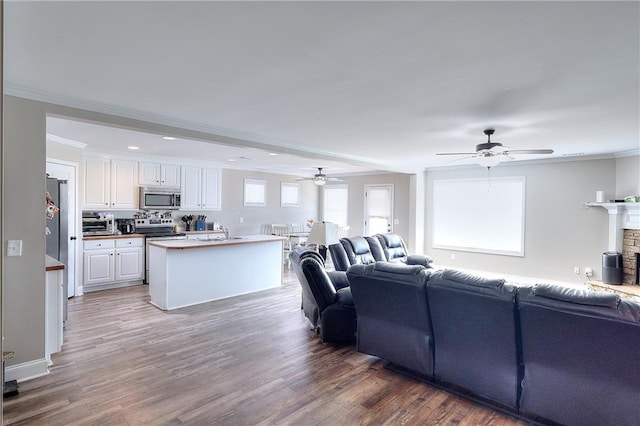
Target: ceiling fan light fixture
point(489, 161)
point(320, 180)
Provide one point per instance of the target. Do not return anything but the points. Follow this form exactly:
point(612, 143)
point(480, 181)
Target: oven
point(154, 230)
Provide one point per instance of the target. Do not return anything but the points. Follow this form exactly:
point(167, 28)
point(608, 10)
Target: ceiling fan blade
point(335, 179)
point(528, 151)
point(455, 153)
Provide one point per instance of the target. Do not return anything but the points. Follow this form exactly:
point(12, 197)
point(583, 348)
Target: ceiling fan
point(320, 178)
point(491, 153)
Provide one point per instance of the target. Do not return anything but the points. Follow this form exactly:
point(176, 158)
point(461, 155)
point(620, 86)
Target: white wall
point(24, 219)
point(627, 176)
point(254, 217)
point(559, 232)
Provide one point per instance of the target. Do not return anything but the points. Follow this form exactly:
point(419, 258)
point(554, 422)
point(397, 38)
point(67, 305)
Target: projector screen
point(480, 215)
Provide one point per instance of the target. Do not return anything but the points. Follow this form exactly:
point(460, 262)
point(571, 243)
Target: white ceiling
point(351, 86)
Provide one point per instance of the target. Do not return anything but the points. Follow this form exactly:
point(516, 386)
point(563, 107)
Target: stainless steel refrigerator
point(57, 232)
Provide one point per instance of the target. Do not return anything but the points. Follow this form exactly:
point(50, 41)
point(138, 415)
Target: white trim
point(64, 141)
point(27, 370)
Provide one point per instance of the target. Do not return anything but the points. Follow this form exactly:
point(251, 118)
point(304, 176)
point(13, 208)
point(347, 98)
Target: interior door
point(67, 171)
point(378, 209)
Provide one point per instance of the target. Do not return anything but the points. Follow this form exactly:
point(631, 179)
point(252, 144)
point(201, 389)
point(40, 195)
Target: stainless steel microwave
point(159, 198)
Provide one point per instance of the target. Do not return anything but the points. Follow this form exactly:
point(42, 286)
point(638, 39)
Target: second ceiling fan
point(320, 178)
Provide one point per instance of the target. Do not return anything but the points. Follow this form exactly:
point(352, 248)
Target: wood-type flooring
point(245, 360)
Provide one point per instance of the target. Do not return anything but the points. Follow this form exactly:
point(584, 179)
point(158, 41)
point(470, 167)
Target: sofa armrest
point(419, 259)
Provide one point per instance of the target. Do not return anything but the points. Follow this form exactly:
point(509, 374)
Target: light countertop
point(193, 244)
point(52, 264)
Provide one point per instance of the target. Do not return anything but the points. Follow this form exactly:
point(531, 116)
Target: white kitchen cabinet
point(110, 263)
point(124, 184)
point(201, 188)
point(129, 259)
point(156, 174)
point(211, 189)
point(97, 180)
point(110, 184)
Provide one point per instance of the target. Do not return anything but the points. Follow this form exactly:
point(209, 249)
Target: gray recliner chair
point(580, 356)
point(326, 297)
point(476, 333)
point(393, 315)
point(395, 250)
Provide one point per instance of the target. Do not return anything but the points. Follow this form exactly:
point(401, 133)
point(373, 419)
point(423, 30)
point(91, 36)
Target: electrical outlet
point(14, 248)
point(576, 270)
point(588, 272)
point(453, 256)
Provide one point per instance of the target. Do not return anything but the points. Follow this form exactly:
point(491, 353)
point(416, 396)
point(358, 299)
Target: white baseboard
point(27, 370)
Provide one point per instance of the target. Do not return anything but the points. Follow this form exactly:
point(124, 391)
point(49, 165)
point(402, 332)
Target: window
point(475, 215)
point(336, 200)
point(289, 194)
point(255, 192)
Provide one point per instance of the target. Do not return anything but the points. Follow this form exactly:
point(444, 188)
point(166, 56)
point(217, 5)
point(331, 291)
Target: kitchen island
point(188, 272)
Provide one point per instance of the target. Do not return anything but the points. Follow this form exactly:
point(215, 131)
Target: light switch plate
point(14, 248)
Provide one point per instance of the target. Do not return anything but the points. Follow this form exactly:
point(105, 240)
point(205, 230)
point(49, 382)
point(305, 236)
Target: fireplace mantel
point(621, 216)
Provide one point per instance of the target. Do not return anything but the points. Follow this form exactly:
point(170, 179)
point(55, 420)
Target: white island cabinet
point(188, 272)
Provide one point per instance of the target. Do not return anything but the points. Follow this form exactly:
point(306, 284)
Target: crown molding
point(64, 141)
point(631, 153)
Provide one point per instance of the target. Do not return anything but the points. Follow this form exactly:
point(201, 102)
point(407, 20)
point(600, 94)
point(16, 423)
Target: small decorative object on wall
point(255, 192)
point(289, 194)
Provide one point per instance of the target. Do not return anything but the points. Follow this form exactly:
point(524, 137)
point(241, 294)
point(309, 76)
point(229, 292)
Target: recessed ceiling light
point(168, 138)
point(133, 147)
point(573, 154)
point(231, 159)
point(272, 153)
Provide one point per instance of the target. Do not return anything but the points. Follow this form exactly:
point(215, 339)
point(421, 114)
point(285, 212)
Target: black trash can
point(612, 267)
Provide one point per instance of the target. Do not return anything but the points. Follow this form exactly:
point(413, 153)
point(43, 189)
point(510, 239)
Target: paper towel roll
point(599, 196)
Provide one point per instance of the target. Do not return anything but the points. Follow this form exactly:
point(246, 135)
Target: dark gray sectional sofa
point(549, 354)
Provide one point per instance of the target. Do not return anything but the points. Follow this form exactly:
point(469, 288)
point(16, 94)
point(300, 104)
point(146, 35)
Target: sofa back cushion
point(579, 354)
point(358, 250)
point(393, 317)
point(476, 334)
point(393, 246)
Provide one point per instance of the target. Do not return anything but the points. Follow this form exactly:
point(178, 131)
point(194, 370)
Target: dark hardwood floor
point(241, 361)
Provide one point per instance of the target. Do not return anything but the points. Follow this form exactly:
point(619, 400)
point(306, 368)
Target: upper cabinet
point(155, 174)
point(110, 184)
point(201, 188)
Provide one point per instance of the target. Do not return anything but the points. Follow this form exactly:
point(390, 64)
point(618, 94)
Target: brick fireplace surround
point(630, 249)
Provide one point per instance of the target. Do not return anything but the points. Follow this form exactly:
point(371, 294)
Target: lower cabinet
point(111, 263)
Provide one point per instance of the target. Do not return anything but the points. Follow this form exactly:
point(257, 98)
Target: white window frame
point(468, 206)
point(289, 194)
point(324, 201)
point(255, 193)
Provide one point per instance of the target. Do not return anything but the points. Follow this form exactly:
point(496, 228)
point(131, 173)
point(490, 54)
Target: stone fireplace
point(630, 254)
point(624, 236)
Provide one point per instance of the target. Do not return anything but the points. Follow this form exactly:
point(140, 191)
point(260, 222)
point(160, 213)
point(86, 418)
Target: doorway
point(64, 170)
point(378, 209)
